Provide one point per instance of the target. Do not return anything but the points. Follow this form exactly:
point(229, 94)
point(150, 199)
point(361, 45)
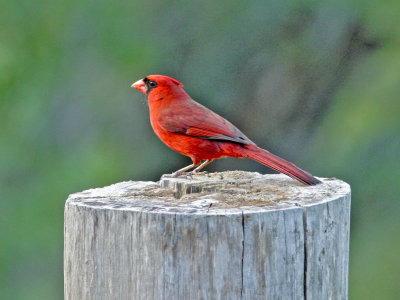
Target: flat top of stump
point(211, 193)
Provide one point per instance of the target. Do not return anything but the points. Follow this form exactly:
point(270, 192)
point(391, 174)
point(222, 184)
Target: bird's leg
point(202, 166)
point(181, 171)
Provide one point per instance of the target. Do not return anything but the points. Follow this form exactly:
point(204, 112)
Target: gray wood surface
point(229, 235)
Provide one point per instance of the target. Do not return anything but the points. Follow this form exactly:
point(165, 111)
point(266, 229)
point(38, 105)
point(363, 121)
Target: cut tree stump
point(229, 235)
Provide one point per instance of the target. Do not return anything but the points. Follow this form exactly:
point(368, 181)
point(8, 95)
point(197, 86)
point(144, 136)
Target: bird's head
point(159, 83)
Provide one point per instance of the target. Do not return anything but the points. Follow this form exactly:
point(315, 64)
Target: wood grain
point(230, 235)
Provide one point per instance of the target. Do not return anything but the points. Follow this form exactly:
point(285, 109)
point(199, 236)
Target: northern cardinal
point(195, 131)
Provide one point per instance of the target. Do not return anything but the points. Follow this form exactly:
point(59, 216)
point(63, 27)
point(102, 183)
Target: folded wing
point(194, 119)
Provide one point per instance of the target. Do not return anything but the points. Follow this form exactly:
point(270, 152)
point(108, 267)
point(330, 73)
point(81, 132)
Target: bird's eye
point(152, 83)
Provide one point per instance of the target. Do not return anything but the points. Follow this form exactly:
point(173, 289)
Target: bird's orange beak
point(140, 86)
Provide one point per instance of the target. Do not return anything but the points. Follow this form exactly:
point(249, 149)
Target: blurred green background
point(316, 82)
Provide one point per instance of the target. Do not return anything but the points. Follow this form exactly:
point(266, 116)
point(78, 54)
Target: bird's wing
point(194, 119)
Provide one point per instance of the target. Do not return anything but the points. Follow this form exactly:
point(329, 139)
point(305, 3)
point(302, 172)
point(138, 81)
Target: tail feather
point(278, 164)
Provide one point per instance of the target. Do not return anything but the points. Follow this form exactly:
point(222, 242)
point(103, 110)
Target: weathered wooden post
point(230, 235)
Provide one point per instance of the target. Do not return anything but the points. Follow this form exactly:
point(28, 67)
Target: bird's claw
point(184, 174)
point(179, 174)
point(198, 173)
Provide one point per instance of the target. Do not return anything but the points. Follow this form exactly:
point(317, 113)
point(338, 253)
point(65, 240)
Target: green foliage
point(69, 121)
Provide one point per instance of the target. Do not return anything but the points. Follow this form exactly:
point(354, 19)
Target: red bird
point(195, 131)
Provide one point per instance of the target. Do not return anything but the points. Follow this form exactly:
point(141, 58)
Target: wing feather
point(194, 119)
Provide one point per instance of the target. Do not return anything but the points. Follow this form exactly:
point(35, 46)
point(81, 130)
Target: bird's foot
point(193, 173)
point(180, 174)
point(198, 173)
point(177, 174)
point(184, 174)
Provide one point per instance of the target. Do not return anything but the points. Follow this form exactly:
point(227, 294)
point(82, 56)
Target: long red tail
point(278, 164)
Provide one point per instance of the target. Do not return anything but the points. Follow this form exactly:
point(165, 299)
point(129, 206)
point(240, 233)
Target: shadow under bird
point(195, 131)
